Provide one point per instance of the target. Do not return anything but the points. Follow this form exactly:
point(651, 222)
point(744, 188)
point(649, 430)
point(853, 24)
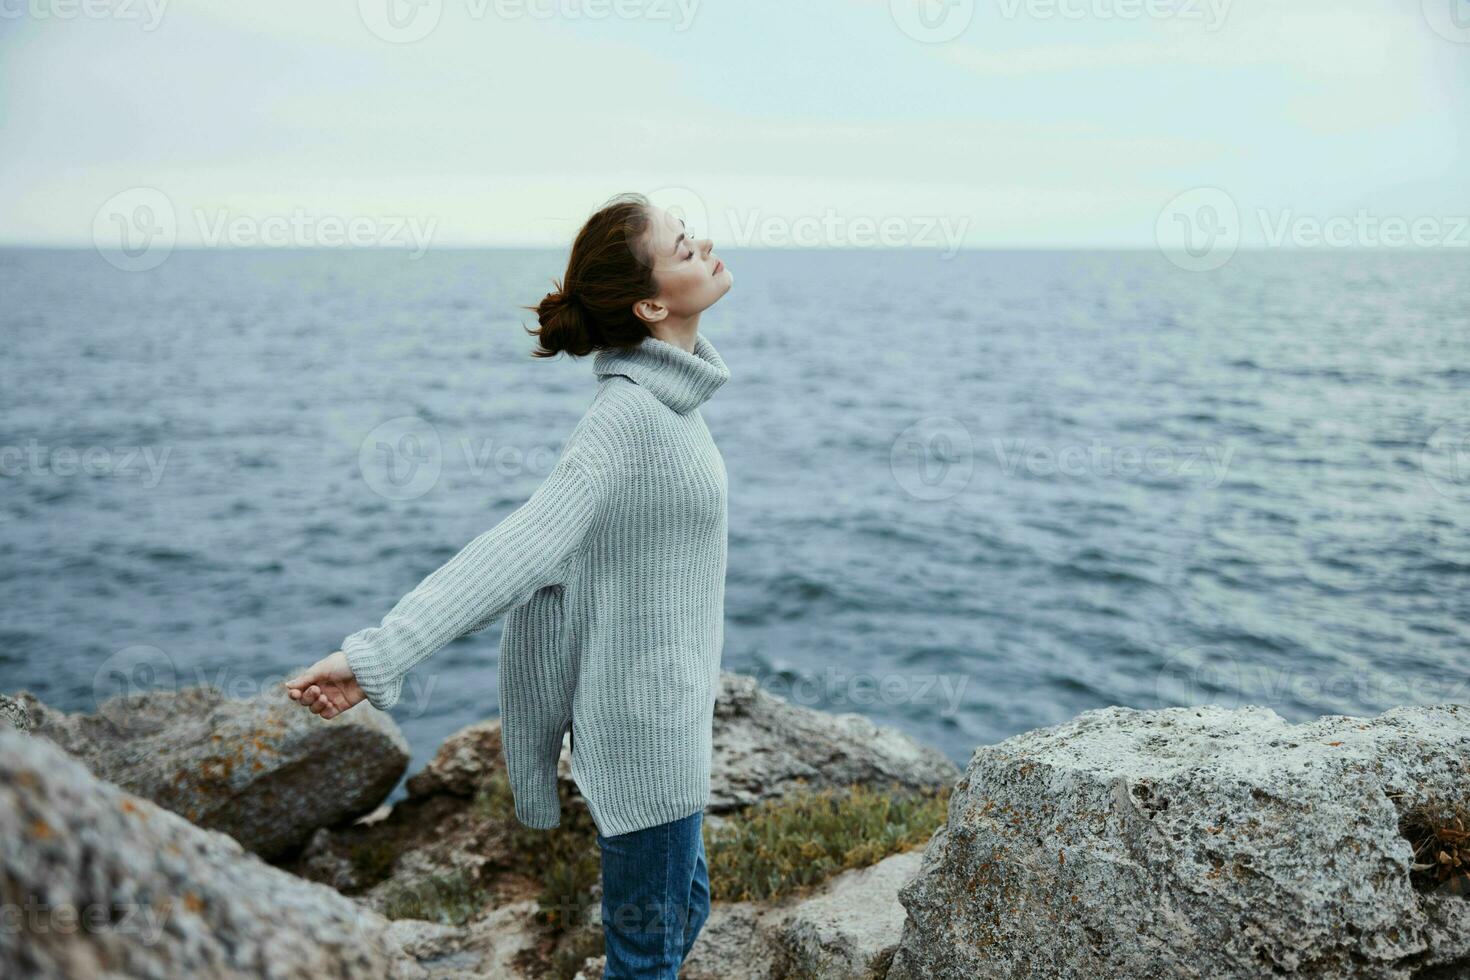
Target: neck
point(681, 332)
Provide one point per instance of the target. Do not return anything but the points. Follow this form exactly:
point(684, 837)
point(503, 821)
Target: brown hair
point(610, 269)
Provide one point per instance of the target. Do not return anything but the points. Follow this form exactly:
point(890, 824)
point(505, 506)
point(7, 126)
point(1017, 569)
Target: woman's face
point(690, 277)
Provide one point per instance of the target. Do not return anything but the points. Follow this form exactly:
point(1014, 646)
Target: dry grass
point(1437, 831)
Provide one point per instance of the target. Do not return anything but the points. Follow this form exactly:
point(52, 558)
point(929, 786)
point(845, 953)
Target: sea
point(970, 494)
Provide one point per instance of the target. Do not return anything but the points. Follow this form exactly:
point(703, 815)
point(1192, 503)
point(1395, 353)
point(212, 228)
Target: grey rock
point(1197, 842)
point(463, 762)
point(262, 769)
point(494, 944)
point(850, 928)
point(734, 944)
point(846, 928)
point(766, 747)
point(13, 713)
point(107, 884)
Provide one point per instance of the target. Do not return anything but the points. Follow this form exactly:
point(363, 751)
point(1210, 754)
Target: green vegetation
point(771, 850)
point(451, 899)
point(784, 846)
point(565, 861)
point(372, 859)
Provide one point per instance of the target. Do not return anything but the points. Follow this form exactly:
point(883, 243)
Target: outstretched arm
point(497, 571)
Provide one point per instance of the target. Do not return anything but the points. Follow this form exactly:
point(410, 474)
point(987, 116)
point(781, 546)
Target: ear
point(650, 310)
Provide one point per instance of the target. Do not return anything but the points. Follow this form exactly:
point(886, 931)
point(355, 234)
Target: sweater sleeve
point(529, 549)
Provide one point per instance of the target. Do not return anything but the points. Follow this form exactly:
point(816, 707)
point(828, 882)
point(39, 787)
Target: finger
point(310, 695)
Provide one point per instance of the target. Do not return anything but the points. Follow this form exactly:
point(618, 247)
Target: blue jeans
point(655, 898)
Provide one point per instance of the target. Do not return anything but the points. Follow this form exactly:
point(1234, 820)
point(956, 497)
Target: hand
point(327, 687)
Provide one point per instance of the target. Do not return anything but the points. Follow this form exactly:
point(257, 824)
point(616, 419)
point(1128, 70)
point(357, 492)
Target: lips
point(719, 267)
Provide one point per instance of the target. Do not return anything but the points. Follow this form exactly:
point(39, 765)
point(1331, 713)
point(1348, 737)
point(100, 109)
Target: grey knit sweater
point(612, 580)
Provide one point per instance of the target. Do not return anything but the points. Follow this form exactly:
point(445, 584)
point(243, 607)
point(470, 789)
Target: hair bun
point(564, 323)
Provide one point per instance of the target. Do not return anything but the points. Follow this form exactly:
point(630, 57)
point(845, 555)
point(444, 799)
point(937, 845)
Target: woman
point(611, 577)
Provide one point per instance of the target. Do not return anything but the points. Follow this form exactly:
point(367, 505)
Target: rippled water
point(935, 519)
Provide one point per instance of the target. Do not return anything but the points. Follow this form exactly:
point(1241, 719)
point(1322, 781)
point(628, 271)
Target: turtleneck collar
point(681, 380)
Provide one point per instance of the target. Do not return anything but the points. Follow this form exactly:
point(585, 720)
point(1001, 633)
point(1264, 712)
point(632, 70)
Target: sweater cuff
point(377, 680)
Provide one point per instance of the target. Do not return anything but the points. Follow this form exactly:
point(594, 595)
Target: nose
point(708, 244)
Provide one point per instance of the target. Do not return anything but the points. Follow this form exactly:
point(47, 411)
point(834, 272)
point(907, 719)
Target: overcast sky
point(1007, 123)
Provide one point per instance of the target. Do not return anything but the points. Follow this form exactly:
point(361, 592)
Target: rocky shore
point(250, 838)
